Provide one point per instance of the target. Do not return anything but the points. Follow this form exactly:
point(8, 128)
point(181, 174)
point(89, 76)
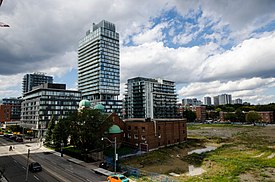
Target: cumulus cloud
point(243, 87)
point(253, 57)
point(44, 37)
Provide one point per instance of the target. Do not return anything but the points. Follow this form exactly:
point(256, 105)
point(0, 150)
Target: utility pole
point(116, 156)
point(27, 168)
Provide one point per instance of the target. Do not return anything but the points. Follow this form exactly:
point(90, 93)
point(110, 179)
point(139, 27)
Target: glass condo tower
point(98, 66)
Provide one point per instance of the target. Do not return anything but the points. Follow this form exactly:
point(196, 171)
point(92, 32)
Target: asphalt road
point(55, 168)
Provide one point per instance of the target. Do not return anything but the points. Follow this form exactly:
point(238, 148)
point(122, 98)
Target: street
point(54, 168)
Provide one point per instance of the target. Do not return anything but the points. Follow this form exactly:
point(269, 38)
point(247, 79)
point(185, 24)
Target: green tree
point(253, 117)
point(240, 115)
point(231, 117)
point(61, 132)
point(49, 135)
point(189, 115)
point(87, 129)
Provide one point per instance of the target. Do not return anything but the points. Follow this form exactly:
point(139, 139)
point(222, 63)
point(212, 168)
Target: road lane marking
point(36, 177)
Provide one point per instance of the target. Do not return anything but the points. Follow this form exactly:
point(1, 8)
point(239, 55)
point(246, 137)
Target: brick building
point(200, 113)
point(5, 113)
point(267, 116)
point(147, 134)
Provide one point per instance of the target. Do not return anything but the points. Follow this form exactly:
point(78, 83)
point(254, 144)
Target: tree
point(230, 116)
point(189, 115)
point(61, 132)
point(87, 129)
point(49, 135)
point(252, 117)
point(240, 116)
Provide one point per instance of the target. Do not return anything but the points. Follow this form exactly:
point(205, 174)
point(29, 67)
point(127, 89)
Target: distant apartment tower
point(45, 102)
point(225, 99)
point(33, 80)
point(150, 98)
point(207, 101)
point(222, 99)
point(216, 100)
point(238, 101)
point(191, 102)
point(98, 66)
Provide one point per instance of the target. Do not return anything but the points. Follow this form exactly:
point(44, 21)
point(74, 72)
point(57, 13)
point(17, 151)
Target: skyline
point(204, 47)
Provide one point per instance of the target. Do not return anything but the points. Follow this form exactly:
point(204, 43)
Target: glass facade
point(150, 98)
point(41, 105)
point(98, 66)
point(33, 80)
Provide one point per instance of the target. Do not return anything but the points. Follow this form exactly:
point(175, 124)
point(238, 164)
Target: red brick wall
point(167, 132)
point(5, 113)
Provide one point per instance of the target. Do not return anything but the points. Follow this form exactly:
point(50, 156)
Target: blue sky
point(206, 47)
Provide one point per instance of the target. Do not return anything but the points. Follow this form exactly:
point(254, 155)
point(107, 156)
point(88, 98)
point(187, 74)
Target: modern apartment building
point(225, 99)
point(45, 102)
point(98, 66)
point(150, 98)
point(238, 101)
point(33, 80)
point(207, 101)
point(191, 102)
point(222, 99)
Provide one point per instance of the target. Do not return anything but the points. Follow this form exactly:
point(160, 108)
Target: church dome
point(114, 129)
point(85, 103)
point(99, 107)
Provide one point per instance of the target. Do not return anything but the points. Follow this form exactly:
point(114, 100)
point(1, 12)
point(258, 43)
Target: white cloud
point(246, 89)
point(253, 57)
point(150, 34)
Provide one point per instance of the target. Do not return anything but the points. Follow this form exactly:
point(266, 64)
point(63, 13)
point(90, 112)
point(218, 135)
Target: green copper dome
point(84, 103)
point(114, 129)
point(99, 107)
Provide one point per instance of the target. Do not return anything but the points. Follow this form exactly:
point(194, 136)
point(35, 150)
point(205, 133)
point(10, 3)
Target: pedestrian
point(10, 148)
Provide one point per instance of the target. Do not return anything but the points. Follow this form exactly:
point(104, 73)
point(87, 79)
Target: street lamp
point(116, 156)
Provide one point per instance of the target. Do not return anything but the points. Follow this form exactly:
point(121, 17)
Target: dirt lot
point(244, 153)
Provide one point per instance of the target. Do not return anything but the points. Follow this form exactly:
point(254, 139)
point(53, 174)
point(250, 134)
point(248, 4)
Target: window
point(143, 129)
point(143, 138)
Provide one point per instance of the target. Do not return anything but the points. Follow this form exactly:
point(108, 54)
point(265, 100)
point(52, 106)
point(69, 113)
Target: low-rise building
point(200, 113)
point(45, 102)
point(10, 109)
point(147, 134)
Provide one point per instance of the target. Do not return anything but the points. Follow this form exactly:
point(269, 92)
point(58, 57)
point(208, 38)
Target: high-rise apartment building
point(150, 98)
point(216, 100)
point(225, 99)
point(33, 80)
point(207, 101)
point(222, 99)
point(98, 66)
point(238, 101)
point(191, 102)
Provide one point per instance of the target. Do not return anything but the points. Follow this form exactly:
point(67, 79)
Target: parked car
point(104, 165)
point(19, 139)
point(35, 167)
point(117, 178)
point(13, 137)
